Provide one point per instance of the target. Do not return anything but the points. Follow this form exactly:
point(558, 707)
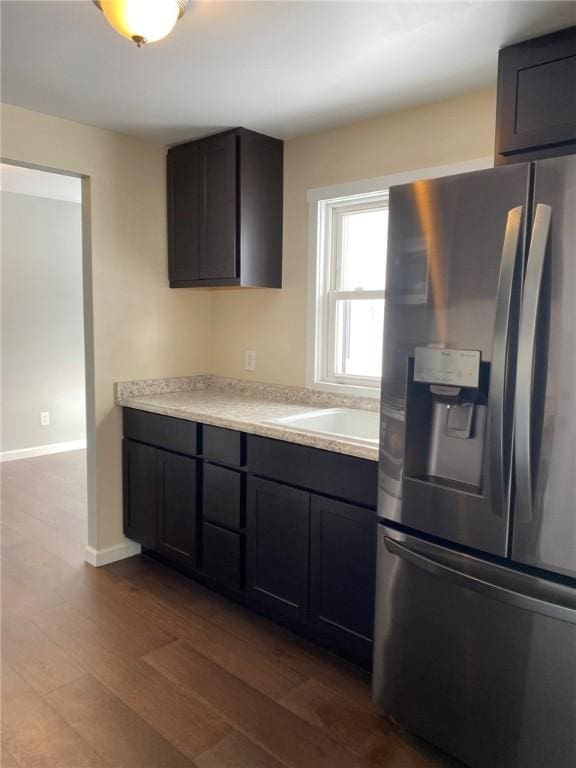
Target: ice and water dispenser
point(446, 414)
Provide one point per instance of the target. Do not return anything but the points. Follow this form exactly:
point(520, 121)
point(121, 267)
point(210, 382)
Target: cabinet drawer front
point(166, 432)
point(223, 445)
point(346, 477)
point(222, 556)
point(277, 532)
point(223, 496)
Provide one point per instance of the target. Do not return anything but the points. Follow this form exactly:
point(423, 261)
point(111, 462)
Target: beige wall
point(144, 329)
point(141, 327)
point(274, 322)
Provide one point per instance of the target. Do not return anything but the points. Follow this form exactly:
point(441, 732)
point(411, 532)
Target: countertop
point(244, 406)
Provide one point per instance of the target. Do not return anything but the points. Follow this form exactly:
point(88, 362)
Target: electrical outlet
point(44, 418)
point(249, 360)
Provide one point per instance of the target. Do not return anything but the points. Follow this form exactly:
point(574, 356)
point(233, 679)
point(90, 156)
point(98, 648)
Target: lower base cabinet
point(312, 560)
point(304, 559)
point(160, 501)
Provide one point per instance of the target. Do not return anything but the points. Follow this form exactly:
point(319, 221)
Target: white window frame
point(323, 203)
point(330, 214)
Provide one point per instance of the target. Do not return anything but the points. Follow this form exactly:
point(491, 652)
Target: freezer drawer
point(475, 658)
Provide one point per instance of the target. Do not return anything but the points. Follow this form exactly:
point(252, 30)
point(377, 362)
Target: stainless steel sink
point(344, 423)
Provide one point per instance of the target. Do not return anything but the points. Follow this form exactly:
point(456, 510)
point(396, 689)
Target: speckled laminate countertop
point(244, 406)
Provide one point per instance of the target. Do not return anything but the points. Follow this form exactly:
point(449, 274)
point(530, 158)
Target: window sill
point(355, 390)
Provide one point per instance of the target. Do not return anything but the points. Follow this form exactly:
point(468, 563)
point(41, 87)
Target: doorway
point(43, 371)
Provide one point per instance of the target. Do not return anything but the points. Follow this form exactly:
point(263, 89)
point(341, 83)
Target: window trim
point(321, 200)
point(329, 213)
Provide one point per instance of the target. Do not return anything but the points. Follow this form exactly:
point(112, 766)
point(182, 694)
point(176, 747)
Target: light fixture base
point(140, 40)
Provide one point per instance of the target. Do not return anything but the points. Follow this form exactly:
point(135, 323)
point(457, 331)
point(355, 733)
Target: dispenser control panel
point(452, 367)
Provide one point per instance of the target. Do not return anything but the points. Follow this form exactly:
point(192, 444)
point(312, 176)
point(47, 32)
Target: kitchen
point(231, 482)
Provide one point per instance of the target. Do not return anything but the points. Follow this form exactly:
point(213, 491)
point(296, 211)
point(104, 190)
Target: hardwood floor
point(135, 666)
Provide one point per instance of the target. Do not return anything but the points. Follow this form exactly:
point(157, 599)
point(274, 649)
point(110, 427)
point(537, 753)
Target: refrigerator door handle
point(495, 583)
point(498, 462)
point(525, 369)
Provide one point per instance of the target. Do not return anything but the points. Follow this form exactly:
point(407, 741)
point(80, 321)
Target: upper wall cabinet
point(536, 112)
point(225, 211)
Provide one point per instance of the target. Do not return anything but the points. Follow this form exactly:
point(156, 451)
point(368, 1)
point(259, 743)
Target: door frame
point(88, 328)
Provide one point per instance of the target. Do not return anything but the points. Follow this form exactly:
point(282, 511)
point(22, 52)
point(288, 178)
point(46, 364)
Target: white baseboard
point(42, 450)
point(98, 557)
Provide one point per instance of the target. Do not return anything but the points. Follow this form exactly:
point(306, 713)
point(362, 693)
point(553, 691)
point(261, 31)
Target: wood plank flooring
point(135, 666)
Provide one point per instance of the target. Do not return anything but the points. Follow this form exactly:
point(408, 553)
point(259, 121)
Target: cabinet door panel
point(177, 519)
point(185, 213)
point(536, 110)
point(218, 251)
point(140, 493)
point(277, 532)
point(343, 575)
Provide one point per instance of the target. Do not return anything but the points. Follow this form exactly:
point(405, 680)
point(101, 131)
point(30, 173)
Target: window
point(348, 238)
point(350, 280)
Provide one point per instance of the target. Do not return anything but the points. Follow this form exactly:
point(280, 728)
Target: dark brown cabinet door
point(225, 211)
point(536, 113)
point(140, 493)
point(277, 552)
point(177, 508)
point(343, 575)
point(185, 213)
point(218, 247)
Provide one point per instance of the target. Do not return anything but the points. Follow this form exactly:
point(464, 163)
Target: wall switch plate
point(44, 418)
point(249, 360)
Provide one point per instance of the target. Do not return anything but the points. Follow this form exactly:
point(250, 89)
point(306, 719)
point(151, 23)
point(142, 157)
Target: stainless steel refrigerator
point(475, 646)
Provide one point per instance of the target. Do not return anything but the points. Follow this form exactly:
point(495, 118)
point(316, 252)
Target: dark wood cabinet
point(343, 575)
point(177, 507)
point(277, 531)
point(140, 492)
point(247, 515)
point(536, 109)
point(225, 196)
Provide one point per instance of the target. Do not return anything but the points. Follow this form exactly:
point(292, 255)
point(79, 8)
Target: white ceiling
point(29, 181)
point(284, 68)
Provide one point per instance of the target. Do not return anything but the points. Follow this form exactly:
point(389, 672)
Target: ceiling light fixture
point(143, 21)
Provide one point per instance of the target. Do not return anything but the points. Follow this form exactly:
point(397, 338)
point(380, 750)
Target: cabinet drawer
point(222, 556)
point(223, 496)
point(225, 445)
point(176, 435)
point(334, 474)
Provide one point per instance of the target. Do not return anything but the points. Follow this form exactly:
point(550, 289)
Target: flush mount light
point(143, 21)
